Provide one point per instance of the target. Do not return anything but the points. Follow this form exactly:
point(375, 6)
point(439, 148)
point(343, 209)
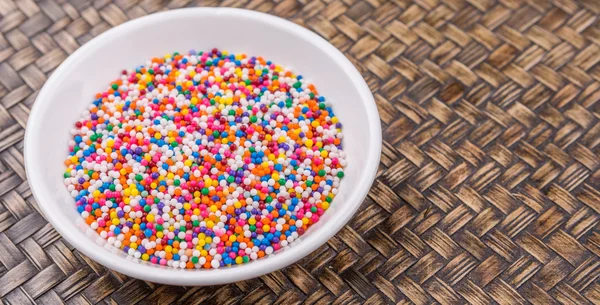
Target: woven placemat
point(487, 190)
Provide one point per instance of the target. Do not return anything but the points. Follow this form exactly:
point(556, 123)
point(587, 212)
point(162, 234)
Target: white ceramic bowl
point(72, 86)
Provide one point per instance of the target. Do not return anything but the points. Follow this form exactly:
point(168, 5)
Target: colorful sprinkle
point(205, 160)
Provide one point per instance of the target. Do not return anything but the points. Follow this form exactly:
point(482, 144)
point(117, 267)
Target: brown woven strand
point(488, 185)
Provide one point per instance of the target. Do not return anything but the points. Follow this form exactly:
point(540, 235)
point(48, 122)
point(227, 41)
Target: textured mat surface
point(488, 188)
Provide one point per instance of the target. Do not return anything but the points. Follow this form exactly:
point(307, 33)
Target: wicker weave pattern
point(488, 188)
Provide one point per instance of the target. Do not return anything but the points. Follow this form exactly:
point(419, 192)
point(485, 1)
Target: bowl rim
point(168, 275)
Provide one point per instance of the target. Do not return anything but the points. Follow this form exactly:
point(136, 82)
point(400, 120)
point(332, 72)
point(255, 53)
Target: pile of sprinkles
point(205, 160)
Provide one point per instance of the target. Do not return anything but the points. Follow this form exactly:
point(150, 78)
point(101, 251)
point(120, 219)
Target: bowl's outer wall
point(72, 86)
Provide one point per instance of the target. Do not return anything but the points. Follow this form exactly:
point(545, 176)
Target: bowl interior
point(89, 70)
